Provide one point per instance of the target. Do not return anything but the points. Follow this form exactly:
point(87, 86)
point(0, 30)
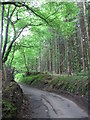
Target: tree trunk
point(12, 55)
point(56, 49)
point(26, 63)
point(84, 37)
point(78, 47)
point(89, 41)
point(1, 41)
point(87, 27)
point(69, 56)
point(50, 56)
point(6, 35)
point(62, 54)
point(58, 57)
point(36, 65)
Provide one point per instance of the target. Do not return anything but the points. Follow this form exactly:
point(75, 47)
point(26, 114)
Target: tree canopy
point(45, 37)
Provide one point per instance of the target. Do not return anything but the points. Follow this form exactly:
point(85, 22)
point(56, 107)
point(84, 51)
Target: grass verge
point(72, 84)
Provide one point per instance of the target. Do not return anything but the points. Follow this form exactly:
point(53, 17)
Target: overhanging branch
point(7, 27)
point(18, 4)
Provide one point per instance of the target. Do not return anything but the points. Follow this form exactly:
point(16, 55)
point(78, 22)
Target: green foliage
point(9, 109)
point(18, 77)
point(57, 15)
point(28, 79)
point(73, 84)
point(46, 23)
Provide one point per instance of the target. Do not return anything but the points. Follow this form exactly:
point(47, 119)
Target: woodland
point(48, 37)
point(51, 38)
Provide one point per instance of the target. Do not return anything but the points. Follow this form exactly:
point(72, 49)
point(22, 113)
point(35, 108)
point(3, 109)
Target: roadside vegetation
point(9, 109)
point(71, 84)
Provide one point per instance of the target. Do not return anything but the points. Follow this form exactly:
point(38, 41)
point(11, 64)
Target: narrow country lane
point(50, 105)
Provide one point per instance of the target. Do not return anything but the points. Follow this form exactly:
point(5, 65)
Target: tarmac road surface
point(50, 105)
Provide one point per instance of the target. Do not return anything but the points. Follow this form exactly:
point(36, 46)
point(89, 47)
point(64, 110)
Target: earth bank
point(12, 95)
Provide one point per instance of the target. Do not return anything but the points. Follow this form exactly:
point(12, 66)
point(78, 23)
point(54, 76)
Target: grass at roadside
point(72, 84)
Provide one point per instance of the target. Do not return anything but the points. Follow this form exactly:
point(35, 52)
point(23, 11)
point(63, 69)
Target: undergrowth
point(9, 109)
point(73, 84)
